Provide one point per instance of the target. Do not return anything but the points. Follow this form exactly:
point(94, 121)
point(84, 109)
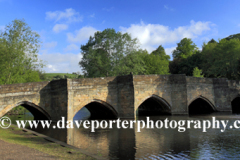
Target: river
point(155, 143)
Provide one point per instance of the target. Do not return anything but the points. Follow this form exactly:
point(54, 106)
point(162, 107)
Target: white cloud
point(81, 34)
point(168, 8)
point(69, 15)
point(51, 68)
point(72, 47)
point(60, 27)
point(108, 9)
point(151, 35)
point(92, 15)
point(169, 50)
point(50, 45)
point(61, 63)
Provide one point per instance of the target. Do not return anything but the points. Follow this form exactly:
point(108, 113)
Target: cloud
point(170, 50)
point(50, 45)
point(168, 8)
point(69, 15)
point(72, 47)
point(151, 35)
point(108, 9)
point(61, 63)
point(238, 25)
point(81, 34)
point(59, 27)
point(92, 15)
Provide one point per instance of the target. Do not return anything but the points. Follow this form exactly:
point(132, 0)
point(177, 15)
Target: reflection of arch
point(235, 103)
point(100, 110)
point(38, 112)
point(154, 105)
point(201, 105)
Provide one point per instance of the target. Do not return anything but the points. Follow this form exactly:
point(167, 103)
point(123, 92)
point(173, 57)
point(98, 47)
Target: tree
point(197, 72)
point(185, 48)
point(18, 51)
point(104, 53)
point(212, 41)
point(187, 65)
point(134, 63)
point(234, 36)
point(157, 62)
point(222, 59)
point(161, 53)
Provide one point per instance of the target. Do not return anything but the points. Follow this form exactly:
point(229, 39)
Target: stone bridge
point(122, 96)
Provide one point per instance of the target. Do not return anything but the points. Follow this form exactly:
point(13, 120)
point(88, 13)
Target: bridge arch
point(235, 103)
point(38, 112)
point(201, 105)
point(100, 110)
point(153, 105)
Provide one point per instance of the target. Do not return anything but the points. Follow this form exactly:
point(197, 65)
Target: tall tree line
point(111, 53)
point(216, 59)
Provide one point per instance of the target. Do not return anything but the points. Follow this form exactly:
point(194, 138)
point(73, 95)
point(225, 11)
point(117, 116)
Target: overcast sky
point(65, 25)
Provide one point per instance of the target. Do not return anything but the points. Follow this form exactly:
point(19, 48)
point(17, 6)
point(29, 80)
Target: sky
point(65, 25)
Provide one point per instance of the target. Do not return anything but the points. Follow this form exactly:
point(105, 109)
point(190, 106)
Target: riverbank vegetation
point(19, 110)
point(17, 136)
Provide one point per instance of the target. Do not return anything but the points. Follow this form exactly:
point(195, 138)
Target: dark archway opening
point(37, 113)
point(154, 106)
point(31, 110)
point(96, 110)
point(200, 106)
point(236, 105)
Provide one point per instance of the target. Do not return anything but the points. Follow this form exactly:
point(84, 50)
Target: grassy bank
point(18, 136)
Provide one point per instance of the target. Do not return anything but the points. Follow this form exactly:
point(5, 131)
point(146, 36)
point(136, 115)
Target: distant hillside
point(55, 76)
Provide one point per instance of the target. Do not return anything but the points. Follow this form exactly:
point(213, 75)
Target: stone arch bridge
point(121, 96)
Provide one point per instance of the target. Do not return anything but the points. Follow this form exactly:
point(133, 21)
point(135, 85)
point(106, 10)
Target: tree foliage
point(111, 53)
point(216, 60)
point(157, 62)
point(222, 59)
point(234, 36)
point(18, 51)
point(185, 48)
point(197, 72)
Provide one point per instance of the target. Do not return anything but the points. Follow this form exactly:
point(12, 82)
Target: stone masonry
point(121, 95)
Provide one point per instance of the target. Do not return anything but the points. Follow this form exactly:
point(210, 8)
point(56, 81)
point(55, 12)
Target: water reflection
point(157, 143)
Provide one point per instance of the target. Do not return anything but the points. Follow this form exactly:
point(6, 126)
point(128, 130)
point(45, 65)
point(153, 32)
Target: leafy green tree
point(234, 36)
point(187, 65)
point(104, 52)
point(133, 63)
point(185, 48)
point(160, 51)
point(97, 63)
point(19, 62)
point(157, 62)
point(222, 59)
point(197, 72)
point(212, 41)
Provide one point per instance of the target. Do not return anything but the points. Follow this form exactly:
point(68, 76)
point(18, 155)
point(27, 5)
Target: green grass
point(17, 136)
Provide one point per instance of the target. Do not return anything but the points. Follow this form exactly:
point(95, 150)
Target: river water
point(156, 143)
